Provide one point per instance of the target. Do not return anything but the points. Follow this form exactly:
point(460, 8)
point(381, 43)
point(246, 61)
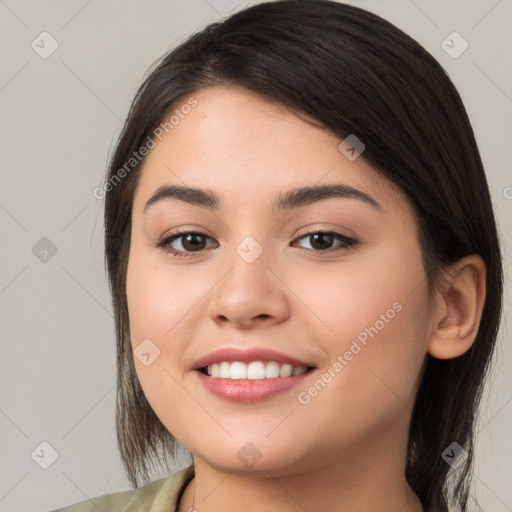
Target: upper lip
point(246, 356)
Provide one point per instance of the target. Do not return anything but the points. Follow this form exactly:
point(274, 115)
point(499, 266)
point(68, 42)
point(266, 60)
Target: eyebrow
point(291, 199)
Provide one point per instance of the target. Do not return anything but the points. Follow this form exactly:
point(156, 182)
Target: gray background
point(61, 116)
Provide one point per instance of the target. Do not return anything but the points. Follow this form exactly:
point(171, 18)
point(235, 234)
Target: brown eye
point(322, 241)
point(193, 241)
point(190, 242)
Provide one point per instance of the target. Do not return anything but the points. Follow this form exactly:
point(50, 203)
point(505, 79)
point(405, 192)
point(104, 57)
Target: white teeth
point(272, 370)
point(285, 370)
point(253, 370)
point(224, 370)
point(238, 370)
point(256, 370)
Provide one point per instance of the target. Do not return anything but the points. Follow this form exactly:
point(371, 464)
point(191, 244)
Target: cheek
point(158, 304)
point(366, 296)
point(377, 311)
point(158, 299)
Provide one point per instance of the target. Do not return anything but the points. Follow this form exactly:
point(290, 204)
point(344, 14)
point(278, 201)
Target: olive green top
point(159, 496)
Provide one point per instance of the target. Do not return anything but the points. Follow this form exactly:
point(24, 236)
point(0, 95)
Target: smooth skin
point(345, 450)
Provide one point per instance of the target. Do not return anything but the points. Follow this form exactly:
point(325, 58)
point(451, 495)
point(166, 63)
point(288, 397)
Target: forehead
point(245, 147)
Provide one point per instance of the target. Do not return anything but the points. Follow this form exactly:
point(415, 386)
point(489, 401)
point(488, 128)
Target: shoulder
point(155, 496)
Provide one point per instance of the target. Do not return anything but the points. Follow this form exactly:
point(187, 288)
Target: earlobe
point(456, 325)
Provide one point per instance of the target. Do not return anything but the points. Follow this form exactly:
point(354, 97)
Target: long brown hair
point(351, 72)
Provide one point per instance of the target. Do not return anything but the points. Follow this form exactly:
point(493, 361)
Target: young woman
point(305, 271)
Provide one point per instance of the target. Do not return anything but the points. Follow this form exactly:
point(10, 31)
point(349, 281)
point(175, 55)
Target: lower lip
point(249, 390)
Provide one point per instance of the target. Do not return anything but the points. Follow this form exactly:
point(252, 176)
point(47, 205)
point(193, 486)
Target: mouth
point(251, 382)
point(255, 370)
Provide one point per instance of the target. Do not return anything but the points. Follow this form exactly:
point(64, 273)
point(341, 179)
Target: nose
point(249, 294)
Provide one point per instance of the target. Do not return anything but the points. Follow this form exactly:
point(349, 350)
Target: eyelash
point(164, 244)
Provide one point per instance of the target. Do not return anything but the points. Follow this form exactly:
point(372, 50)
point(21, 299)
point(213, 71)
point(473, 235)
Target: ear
point(460, 306)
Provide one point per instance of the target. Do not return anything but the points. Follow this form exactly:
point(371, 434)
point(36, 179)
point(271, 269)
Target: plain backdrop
point(60, 117)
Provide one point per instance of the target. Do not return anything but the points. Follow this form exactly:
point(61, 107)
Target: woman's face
point(254, 279)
